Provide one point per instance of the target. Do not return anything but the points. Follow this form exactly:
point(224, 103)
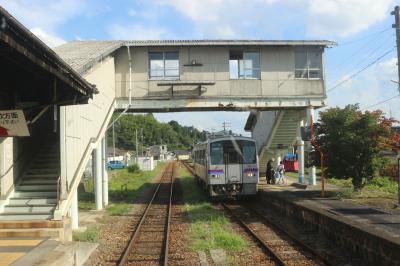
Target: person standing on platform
point(280, 171)
point(269, 170)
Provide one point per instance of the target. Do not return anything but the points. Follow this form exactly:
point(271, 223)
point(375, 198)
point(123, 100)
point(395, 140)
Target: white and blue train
point(227, 166)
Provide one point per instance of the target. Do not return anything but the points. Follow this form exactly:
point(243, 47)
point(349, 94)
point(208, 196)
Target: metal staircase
point(281, 136)
point(35, 195)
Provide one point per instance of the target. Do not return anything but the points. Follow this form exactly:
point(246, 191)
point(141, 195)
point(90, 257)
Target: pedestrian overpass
point(284, 78)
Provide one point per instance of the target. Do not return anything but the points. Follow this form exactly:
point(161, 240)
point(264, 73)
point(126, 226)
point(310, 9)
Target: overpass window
point(308, 63)
point(244, 65)
point(164, 65)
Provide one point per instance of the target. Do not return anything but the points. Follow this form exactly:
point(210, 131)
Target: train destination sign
point(13, 124)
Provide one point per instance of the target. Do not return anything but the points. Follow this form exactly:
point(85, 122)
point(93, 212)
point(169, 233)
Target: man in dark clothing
point(269, 170)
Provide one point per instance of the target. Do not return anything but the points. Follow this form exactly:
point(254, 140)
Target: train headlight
point(216, 176)
point(251, 174)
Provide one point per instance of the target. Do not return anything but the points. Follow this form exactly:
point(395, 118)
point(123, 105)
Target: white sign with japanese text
point(13, 124)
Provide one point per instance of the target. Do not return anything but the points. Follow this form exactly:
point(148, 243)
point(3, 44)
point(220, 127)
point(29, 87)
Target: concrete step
point(32, 200)
point(42, 171)
point(36, 187)
point(39, 181)
point(46, 175)
point(30, 209)
point(4, 225)
point(44, 165)
point(27, 194)
point(25, 216)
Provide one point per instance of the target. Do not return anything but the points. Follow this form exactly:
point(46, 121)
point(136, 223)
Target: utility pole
point(225, 125)
point(396, 26)
point(396, 14)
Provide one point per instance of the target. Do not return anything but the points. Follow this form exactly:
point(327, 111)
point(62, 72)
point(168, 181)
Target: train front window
point(249, 152)
point(217, 153)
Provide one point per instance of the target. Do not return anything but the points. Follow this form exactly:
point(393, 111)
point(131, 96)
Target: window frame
point(243, 51)
point(308, 69)
point(164, 69)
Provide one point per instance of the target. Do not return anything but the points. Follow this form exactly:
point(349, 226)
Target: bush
point(134, 168)
point(390, 170)
point(382, 184)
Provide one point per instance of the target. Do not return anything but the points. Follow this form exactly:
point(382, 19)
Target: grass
point(123, 188)
point(89, 235)
point(118, 209)
point(209, 228)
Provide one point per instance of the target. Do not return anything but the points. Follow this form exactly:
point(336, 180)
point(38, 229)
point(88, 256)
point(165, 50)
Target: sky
point(360, 69)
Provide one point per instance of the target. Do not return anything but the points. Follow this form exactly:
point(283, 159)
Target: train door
point(232, 160)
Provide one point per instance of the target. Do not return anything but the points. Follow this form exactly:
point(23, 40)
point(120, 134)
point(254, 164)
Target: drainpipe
point(130, 75)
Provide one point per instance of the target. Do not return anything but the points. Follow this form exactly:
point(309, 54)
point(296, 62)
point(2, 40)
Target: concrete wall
point(263, 127)
point(82, 124)
point(277, 74)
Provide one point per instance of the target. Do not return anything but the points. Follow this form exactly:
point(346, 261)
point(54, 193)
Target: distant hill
point(152, 132)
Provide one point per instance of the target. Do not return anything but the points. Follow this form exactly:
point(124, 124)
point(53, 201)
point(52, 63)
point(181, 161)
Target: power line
point(361, 70)
point(365, 37)
point(367, 44)
point(375, 104)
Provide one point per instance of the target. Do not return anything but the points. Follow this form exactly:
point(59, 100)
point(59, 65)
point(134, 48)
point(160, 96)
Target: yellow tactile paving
point(8, 258)
point(19, 242)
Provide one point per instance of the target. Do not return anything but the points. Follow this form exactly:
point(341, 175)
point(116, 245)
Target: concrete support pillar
point(312, 179)
point(98, 177)
point(104, 170)
point(300, 152)
point(74, 211)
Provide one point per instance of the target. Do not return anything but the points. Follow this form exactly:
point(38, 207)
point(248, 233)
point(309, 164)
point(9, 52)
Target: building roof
point(82, 55)
point(17, 41)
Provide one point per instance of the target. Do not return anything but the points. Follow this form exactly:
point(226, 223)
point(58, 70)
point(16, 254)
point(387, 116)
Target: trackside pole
point(318, 148)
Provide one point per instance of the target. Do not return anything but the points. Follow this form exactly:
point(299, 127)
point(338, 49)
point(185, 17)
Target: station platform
point(370, 230)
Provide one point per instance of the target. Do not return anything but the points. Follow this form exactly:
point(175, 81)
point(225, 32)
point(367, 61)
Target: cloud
point(371, 87)
point(50, 40)
point(235, 18)
point(344, 17)
point(137, 32)
point(47, 15)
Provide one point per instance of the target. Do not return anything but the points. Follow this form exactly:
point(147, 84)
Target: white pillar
point(300, 152)
point(98, 182)
point(74, 211)
point(104, 170)
point(312, 179)
point(277, 158)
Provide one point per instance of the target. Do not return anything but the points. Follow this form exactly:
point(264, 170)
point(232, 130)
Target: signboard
point(13, 124)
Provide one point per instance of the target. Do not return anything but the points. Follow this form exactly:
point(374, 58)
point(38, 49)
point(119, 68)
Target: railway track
point(281, 245)
point(285, 248)
point(149, 242)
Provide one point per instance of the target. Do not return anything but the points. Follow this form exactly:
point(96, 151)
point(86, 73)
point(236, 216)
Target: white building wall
point(263, 127)
point(83, 125)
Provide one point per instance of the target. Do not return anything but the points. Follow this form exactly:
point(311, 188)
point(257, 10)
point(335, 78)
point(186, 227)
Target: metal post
point(398, 180)
point(300, 152)
point(113, 141)
point(396, 14)
point(310, 116)
point(137, 146)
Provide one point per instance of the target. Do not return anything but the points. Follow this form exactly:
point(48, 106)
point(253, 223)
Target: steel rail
point(276, 256)
point(129, 248)
point(166, 250)
point(291, 236)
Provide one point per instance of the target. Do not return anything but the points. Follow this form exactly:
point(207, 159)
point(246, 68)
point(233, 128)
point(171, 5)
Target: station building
point(76, 93)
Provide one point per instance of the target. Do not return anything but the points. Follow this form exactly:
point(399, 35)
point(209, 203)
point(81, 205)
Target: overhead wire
point(381, 102)
point(361, 70)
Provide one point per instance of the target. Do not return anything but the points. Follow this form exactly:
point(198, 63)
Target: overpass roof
point(82, 55)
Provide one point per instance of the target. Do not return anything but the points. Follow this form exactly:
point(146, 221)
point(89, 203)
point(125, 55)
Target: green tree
point(352, 142)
